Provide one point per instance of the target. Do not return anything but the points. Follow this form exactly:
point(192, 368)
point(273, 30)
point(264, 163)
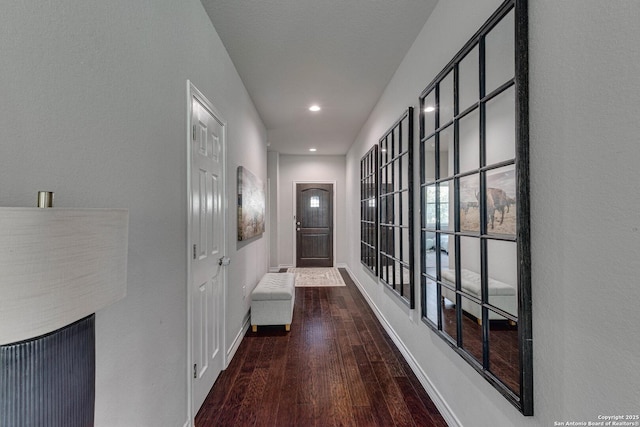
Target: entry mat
point(317, 276)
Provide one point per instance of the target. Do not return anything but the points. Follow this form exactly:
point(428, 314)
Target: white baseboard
point(274, 269)
point(342, 265)
point(187, 424)
point(237, 340)
point(285, 266)
point(436, 397)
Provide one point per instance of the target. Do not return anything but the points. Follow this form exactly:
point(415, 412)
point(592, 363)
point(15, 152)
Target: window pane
point(383, 151)
point(447, 259)
point(396, 142)
point(405, 246)
point(501, 128)
point(404, 131)
point(446, 205)
point(405, 208)
point(472, 329)
point(446, 153)
point(446, 99)
point(499, 53)
point(470, 266)
point(430, 253)
point(429, 161)
point(431, 295)
point(469, 141)
point(429, 114)
point(398, 207)
point(406, 283)
point(504, 354)
point(449, 323)
point(469, 78)
point(395, 167)
point(502, 267)
point(501, 203)
point(404, 170)
point(430, 208)
point(469, 203)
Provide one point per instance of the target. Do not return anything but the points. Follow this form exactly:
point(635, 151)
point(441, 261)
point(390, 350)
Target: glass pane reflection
point(431, 294)
point(501, 128)
point(429, 174)
point(469, 204)
point(446, 152)
point(469, 79)
point(472, 329)
point(499, 53)
point(446, 99)
point(469, 137)
point(501, 200)
point(449, 323)
point(429, 113)
point(502, 266)
point(429, 245)
point(504, 356)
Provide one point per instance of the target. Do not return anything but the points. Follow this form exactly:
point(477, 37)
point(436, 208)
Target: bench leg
point(287, 327)
point(254, 328)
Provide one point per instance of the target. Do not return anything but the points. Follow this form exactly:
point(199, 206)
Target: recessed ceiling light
point(314, 108)
point(312, 149)
point(429, 109)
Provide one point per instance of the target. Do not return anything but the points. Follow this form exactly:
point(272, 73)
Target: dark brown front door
point(314, 225)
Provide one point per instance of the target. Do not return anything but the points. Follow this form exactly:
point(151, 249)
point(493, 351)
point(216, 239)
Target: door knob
point(298, 223)
point(298, 229)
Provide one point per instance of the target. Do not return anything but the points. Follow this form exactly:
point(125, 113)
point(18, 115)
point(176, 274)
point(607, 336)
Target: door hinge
point(195, 255)
point(194, 132)
point(195, 370)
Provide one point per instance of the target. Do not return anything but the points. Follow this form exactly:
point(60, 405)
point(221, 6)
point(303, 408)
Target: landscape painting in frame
point(500, 202)
point(251, 204)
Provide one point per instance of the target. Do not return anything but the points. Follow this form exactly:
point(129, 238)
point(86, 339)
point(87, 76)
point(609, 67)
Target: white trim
point(274, 269)
point(295, 207)
point(193, 92)
point(237, 341)
point(187, 424)
point(434, 394)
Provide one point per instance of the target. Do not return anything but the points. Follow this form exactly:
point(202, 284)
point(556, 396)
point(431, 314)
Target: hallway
point(337, 366)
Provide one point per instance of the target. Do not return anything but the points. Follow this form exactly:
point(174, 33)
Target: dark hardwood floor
point(337, 367)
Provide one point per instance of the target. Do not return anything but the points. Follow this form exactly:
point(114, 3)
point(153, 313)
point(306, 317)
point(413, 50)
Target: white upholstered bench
point(272, 300)
point(501, 294)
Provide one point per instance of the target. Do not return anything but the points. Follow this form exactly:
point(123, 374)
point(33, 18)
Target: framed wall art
point(251, 205)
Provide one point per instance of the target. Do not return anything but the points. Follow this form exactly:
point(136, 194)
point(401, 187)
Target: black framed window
point(369, 210)
point(395, 208)
point(475, 256)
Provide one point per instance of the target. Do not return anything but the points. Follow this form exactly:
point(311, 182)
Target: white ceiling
point(339, 54)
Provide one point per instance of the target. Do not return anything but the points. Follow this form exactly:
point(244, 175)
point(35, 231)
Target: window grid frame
point(391, 155)
point(369, 172)
point(524, 399)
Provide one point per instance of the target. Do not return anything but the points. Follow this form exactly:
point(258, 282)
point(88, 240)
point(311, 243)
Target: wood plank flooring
point(337, 367)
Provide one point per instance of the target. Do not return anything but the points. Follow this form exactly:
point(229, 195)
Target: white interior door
point(207, 247)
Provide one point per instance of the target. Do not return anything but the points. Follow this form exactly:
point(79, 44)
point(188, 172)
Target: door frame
point(295, 212)
point(193, 92)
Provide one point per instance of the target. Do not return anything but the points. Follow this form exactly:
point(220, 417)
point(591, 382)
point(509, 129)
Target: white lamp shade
point(58, 266)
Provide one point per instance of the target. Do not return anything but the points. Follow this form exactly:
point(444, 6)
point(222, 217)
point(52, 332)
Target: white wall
point(584, 96)
point(93, 106)
point(310, 169)
point(273, 172)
